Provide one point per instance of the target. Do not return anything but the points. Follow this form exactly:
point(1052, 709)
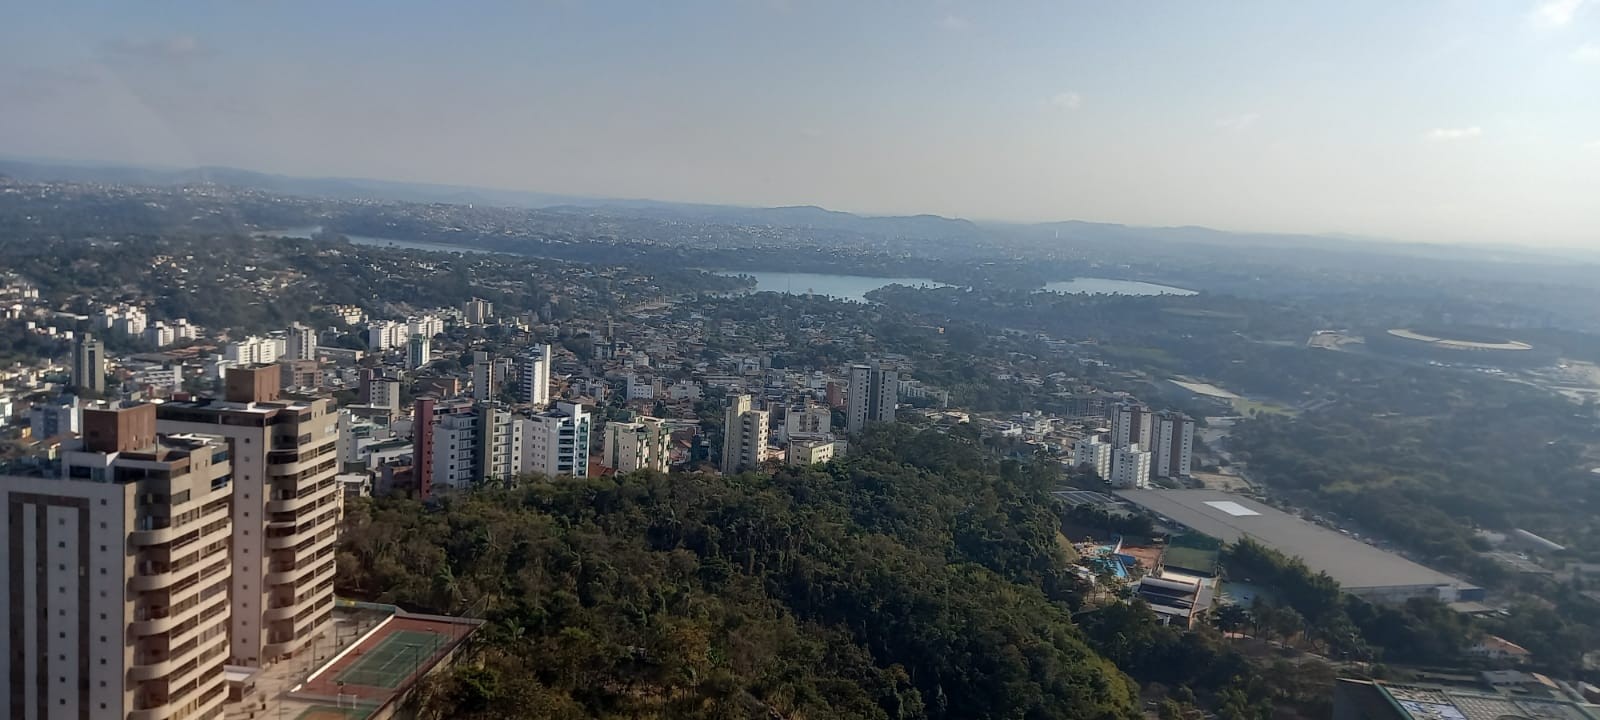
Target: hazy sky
point(1430, 120)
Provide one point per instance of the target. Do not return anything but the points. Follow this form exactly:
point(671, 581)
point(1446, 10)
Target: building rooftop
point(1419, 702)
point(1354, 564)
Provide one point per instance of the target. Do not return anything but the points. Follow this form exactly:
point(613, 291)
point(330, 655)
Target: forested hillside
point(917, 579)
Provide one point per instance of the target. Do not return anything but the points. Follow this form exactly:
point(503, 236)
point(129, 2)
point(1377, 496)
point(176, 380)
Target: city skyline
point(1427, 122)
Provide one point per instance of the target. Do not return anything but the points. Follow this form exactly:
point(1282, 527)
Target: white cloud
point(178, 48)
point(1238, 123)
point(1067, 100)
point(1462, 133)
point(1592, 146)
point(1556, 13)
point(954, 22)
point(1587, 54)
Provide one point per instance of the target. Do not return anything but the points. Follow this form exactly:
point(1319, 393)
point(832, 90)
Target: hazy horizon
point(1430, 122)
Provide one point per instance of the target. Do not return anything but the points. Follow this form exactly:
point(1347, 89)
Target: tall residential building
point(427, 326)
point(1095, 453)
point(385, 334)
point(478, 311)
point(55, 417)
point(500, 442)
point(744, 435)
point(300, 374)
point(1132, 424)
point(301, 343)
point(535, 376)
point(119, 572)
point(254, 351)
point(285, 508)
point(871, 397)
point(806, 421)
point(89, 364)
point(638, 445)
point(419, 350)
point(483, 385)
point(1130, 467)
point(427, 415)
point(556, 441)
point(1174, 445)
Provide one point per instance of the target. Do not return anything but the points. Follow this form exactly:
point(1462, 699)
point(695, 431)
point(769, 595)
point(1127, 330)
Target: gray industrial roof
point(1228, 517)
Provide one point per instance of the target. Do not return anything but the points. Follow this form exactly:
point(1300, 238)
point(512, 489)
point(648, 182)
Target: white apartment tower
point(285, 509)
point(1174, 445)
point(483, 385)
point(1132, 424)
point(301, 343)
point(744, 435)
point(638, 445)
point(556, 441)
point(419, 350)
point(118, 572)
point(478, 311)
point(534, 376)
point(871, 397)
point(807, 421)
point(1095, 453)
point(1130, 467)
point(253, 351)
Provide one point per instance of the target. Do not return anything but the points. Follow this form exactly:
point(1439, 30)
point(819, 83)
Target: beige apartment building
point(117, 594)
point(285, 508)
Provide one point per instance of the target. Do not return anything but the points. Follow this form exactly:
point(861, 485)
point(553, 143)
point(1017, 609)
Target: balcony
point(153, 535)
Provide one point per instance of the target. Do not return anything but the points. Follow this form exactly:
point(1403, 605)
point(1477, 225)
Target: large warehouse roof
point(1226, 516)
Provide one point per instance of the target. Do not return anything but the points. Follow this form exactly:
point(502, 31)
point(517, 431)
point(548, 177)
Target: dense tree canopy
point(916, 579)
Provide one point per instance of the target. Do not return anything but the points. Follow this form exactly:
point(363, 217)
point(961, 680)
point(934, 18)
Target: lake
point(842, 287)
point(1107, 286)
point(307, 232)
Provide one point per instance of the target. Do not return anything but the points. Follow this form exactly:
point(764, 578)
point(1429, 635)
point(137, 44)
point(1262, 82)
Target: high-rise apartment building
point(300, 374)
point(638, 445)
point(500, 442)
point(254, 350)
point(1095, 453)
point(872, 396)
point(89, 364)
point(385, 334)
point(535, 376)
point(427, 326)
point(1132, 424)
point(1130, 467)
point(427, 414)
point(806, 421)
point(744, 435)
point(419, 350)
point(483, 384)
point(301, 343)
point(556, 441)
point(55, 417)
point(118, 569)
point(478, 311)
point(285, 507)
point(1174, 445)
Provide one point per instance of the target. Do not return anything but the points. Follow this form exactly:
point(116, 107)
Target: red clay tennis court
point(383, 664)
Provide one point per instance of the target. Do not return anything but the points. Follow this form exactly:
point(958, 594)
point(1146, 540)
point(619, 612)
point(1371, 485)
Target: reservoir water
point(842, 287)
point(307, 232)
point(1107, 286)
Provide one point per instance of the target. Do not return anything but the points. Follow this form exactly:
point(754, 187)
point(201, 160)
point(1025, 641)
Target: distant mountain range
point(932, 227)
